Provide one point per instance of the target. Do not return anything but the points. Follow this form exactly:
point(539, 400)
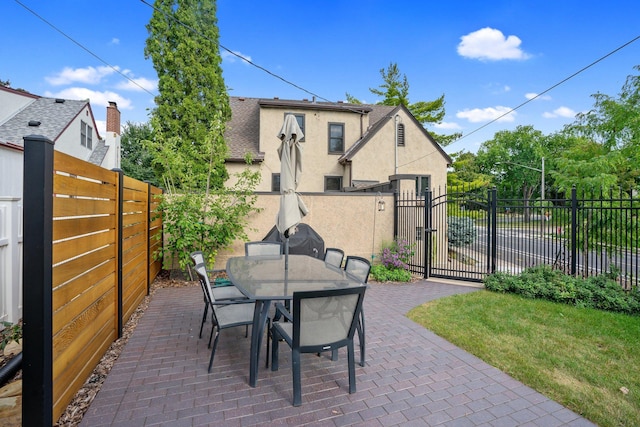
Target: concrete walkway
point(412, 376)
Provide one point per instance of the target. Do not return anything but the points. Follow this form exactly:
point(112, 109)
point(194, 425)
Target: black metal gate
point(469, 234)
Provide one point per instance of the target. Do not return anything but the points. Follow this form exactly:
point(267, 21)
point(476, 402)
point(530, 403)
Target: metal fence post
point(574, 230)
point(428, 232)
point(492, 235)
point(37, 283)
point(119, 254)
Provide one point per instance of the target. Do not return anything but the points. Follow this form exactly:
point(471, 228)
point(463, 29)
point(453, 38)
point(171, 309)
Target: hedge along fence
point(87, 266)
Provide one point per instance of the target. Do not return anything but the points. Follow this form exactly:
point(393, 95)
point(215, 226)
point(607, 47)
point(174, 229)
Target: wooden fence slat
point(81, 187)
point(66, 228)
point(64, 206)
point(68, 249)
point(80, 265)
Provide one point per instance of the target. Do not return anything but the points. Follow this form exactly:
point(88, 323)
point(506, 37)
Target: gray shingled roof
point(243, 130)
point(53, 116)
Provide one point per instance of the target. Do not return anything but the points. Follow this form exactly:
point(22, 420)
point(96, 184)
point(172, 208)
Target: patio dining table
point(265, 279)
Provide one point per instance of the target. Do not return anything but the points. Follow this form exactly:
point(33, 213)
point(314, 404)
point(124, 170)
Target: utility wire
point(84, 48)
point(193, 30)
point(533, 98)
point(551, 88)
point(303, 89)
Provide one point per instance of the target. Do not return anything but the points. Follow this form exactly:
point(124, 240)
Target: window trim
point(329, 137)
point(275, 177)
point(327, 178)
point(302, 126)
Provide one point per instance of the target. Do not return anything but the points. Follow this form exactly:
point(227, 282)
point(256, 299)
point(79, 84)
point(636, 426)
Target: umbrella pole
point(286, 250)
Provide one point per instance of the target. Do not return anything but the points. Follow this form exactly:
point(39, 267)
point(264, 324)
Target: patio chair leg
point(274, 351)
point(361, 337)
point(297, 386)
point(213, 350)
point(269, 333)
point(204, 319)
point(351, 367)
point(211, 336)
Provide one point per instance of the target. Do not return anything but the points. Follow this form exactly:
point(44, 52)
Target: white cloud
point(138, 85)
point(477, 115)
point(560, 112)
point(490, 44)
point(88, 75)
point(233, 57)
point(97, 99)
point(102, 127)
point(532, 95)
point(115, 40)
point(447, 126)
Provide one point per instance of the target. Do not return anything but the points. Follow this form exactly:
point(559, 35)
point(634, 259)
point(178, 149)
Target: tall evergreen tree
point(192, 107)
point(395, 91)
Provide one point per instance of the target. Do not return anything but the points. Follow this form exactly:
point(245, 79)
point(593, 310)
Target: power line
point(84, 48)
point(533, 98)
point(551, 88)
point(193, 30)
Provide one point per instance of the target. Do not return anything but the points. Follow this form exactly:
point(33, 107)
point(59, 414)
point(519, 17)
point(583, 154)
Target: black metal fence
point(469, 234)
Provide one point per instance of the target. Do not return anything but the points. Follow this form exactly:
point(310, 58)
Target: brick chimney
point(113, 118)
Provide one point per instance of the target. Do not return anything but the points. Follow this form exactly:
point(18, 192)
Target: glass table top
point(265, 277)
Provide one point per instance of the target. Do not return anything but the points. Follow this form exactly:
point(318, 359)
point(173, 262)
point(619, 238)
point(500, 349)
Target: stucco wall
point(317, 162)
point(351, 222)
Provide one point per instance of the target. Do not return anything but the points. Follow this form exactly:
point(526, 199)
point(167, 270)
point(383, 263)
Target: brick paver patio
point(412, 377)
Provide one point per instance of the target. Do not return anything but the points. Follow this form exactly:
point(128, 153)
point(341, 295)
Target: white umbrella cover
point(292, 208)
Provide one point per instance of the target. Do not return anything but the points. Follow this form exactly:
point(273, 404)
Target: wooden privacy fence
point(89, 236)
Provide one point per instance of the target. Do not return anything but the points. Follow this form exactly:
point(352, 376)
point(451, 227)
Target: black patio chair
point(262, 248)
point(223, 292)
point(359, 267)
point(224, 314)
point(322, 321)
point(334, 256)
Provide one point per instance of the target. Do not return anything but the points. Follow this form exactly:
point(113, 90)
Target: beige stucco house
point(346, 146)
point(351, 166)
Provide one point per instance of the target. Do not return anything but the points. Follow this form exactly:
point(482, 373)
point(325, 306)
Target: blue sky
point(485, 57)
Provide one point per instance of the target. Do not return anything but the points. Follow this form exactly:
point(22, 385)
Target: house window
point(422, 184)
point(86, 135)
point(332, 183)
point(336, 138)
point(400, 135)
point(300, 120)
point(275, 182)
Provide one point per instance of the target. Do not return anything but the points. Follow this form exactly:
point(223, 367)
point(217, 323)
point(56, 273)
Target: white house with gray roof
point(72, 128)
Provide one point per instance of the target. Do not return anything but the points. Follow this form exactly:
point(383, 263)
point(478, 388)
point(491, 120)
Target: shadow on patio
point(412, 377)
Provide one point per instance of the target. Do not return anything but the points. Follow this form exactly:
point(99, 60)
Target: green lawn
point(583, 359)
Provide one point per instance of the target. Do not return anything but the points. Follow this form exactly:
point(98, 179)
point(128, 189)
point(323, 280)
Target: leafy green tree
point(614, 124)
point(512, 156)
point(137, 162)
point(192, 107)
point(466, 174)
point(395, 91)
point(187, 145)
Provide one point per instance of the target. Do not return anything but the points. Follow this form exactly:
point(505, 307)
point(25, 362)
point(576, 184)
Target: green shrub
point(460, 231)
point(543, 282)
point(383, 274)
point(10, 332)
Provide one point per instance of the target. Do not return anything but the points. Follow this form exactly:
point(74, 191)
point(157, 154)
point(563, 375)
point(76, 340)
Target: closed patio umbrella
point(292, 208)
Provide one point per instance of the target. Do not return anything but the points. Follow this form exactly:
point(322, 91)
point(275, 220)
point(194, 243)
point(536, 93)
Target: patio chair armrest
point(281, 309)
point(234, 301)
